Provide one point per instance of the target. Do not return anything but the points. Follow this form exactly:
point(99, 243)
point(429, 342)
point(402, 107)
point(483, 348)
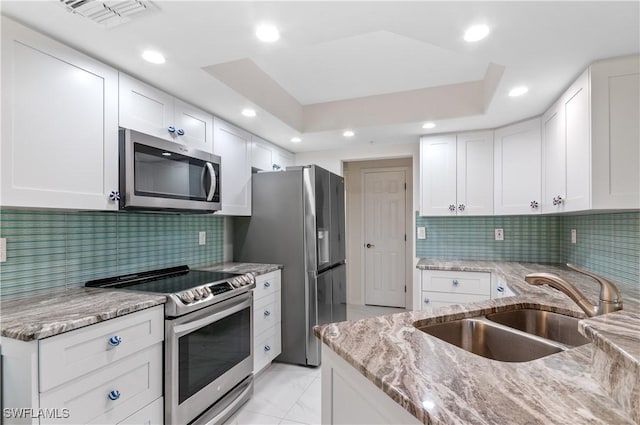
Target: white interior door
point(384, 237)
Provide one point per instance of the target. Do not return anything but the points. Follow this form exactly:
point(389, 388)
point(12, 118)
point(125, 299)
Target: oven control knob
point(206, 292)
point(187, 297)
point(197, 293)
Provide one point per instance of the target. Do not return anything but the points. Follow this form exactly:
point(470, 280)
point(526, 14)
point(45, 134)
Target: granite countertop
point(255, 268)
point(439, 383)
point(52, 313)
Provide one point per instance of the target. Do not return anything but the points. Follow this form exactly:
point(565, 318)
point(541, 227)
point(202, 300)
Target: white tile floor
point(288, 394)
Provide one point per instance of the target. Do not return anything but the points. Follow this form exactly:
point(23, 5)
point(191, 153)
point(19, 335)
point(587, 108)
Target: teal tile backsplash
point(51, 249)
point(607, 244)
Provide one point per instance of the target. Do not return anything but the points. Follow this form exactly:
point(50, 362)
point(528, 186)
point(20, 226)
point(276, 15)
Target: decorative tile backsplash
point(57, 249)
point(607, 244)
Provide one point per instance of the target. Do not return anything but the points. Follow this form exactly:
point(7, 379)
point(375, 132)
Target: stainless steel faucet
point(610, 299)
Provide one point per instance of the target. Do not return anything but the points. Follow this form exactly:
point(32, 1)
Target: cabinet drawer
point(266, 313)
point(267, 346)
point(151, 414)
point(266, 284)
point(457, 282)
point(70, 355)
point(439, 299)
point(138, 379)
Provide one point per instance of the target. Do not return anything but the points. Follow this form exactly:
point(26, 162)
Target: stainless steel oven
point(206, 354)
point(208, 361)
point(156, 174)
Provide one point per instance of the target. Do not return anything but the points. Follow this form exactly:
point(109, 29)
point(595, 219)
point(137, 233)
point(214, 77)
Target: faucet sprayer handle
point(609, 292)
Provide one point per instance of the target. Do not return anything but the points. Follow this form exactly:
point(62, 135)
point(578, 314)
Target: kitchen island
point(425, 380)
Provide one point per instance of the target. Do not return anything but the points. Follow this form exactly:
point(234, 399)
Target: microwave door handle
point(212, 186)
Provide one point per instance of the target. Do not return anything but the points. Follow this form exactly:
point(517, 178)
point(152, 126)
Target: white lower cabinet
point(106, 373)
point(441, 288)
point(267, 336)
point(350, 398)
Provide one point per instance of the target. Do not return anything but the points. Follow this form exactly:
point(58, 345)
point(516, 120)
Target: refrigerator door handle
point(313, 344)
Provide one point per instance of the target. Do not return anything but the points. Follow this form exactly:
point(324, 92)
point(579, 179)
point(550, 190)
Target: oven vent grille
point(109, 13)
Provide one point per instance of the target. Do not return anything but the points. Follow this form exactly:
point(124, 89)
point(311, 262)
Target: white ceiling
point(382, 68)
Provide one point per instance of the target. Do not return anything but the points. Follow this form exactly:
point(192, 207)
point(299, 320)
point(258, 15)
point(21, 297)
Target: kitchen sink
point(491, 340)
point(545, 324)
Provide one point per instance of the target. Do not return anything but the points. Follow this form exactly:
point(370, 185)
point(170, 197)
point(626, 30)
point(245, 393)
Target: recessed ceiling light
point(428, 125)
point(296, 140)
point(248, 112)
point(518, 91)
point(348, 133)
point(476, 33)
point(153, 56)
point(267, 33)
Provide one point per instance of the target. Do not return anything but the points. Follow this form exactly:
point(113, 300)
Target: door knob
point(369, 245)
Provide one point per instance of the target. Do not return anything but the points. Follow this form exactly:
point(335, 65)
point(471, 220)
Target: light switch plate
point(499, 234)
point(422, 233)
point(202, 238)
point(574, 236)
point(3, 250)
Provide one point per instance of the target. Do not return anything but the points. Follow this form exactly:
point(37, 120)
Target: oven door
point(161, 175)
point(207, 353)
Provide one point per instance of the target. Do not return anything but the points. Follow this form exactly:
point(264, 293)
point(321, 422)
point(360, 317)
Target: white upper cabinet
point(261, 154)
point(518, 168)
point(591, 139)
point(151, 111)
point(59, 145)
point(234, 147)
point(456, 174)
point(475, 173)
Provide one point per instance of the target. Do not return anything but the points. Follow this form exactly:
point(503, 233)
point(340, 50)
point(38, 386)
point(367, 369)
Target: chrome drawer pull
point(267, 348)
point(114, 341)
point(455, 282)
point(267, 313)
point(114, 395)
point(267, 284)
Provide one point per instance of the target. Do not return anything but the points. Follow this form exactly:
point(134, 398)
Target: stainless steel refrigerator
point(298, 220)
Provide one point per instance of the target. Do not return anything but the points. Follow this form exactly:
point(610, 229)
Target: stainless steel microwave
point(157, 174)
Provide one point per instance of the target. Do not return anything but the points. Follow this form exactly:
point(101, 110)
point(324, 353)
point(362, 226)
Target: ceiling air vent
point(108, 13)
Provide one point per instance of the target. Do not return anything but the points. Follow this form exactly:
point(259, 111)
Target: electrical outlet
point(202, 238)
point(422, 233)
point(574, 236)
point(499, 234)
point(3, 250)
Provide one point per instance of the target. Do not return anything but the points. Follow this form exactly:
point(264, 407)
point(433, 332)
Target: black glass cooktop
point(164, 281)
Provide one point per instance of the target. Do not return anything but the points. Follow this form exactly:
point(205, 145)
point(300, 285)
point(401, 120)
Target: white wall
point(333, 160)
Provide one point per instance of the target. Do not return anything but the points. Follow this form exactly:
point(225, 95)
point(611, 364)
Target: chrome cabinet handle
point(369, 245)
point(461, 207)
point(267, 348)
point(427, 300)
point(267, 284)
point(114, 341)
point(455, 282)
point(171, 129)
point(180, 132)
point(558, 200)
point(452, 208)
point(267, 313)
point(114, 395)
point(500, 289)
point(534, 204)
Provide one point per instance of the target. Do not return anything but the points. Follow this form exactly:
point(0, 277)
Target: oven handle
point(212, 186)
point(224, 310)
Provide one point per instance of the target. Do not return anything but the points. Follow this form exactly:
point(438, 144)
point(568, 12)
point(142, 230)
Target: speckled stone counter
point(439, 383)
point(255, 268)
point(52, 313)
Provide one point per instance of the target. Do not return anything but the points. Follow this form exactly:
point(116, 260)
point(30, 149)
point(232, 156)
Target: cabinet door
point(145, 108)
point(196, 124)
point(553, 159)
point(59, 145)
point(234, 147)
point(615, 133)
point(261, 154)
point(578, 145)
point(438, 175)
point(518, 169)
point(474, 192)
